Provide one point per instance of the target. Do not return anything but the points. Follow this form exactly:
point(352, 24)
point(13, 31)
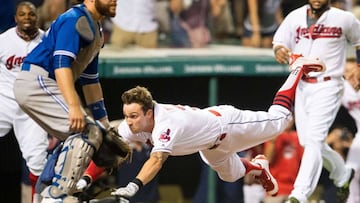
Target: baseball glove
point(113, 151)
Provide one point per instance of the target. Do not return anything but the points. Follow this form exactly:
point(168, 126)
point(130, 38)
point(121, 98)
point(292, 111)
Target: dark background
point(253, 93)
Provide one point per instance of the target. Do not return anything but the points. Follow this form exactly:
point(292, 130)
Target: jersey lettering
point(14, 61)
point(318, 31)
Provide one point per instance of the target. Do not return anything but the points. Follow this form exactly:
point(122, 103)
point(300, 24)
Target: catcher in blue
point(45, 90)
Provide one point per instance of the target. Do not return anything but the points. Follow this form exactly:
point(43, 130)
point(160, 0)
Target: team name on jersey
point(318, 31)
point(14, 61)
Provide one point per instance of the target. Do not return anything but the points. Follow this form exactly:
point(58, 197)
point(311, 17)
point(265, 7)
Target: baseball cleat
point(265, 178)
point(308, 64)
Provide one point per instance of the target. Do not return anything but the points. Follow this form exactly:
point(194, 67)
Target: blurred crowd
point(182, 23)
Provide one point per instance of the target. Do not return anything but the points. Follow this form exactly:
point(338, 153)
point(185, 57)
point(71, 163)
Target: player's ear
point(149, 113)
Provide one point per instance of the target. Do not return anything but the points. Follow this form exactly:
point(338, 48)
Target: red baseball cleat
point(265, 178)
point(308, 64)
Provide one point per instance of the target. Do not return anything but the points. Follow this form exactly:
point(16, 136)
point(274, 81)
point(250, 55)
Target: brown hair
point(139, 95)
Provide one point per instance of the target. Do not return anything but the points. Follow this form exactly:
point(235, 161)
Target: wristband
point(138, 182)
point(98, 110)
point(358, 57)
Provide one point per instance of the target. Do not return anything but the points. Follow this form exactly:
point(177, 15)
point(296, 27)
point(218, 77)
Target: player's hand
point(76, 119)
point(128, 191)
point(282, 54)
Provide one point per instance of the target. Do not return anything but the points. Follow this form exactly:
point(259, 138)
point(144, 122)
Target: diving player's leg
point(286, 94)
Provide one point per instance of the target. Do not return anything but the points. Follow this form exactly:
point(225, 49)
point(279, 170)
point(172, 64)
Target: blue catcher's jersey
point(73, 40)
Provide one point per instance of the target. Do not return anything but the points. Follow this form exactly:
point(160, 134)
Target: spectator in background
point(284, 150)
point(261, 21)
point(189, 23)
point(237, 8)
point(221, 20)
point(135, 24)
point(351, 101)
point(49, 10)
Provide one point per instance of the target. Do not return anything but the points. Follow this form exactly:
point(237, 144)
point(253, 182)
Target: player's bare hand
point(282, 54)
point(76, 119)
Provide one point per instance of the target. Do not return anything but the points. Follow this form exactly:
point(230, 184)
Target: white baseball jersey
point(317, 104)
point(351, 101)
point(31, 137)
point(218, 132)
point(325, 40)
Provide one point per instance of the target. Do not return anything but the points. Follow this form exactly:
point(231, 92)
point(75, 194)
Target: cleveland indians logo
point(165, 136)
point(14, 61)
point(318, 31)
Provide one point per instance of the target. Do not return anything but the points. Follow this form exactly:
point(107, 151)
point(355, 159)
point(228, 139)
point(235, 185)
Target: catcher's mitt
point(113, 151)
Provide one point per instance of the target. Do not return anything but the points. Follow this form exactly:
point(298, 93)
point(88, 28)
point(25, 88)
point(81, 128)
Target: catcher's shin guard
point(73, 159)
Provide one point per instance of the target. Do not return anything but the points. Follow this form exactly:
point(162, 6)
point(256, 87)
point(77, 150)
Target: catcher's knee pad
point(73, 159)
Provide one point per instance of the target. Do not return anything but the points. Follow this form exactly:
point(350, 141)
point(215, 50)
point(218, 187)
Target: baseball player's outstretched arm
point(149, 170)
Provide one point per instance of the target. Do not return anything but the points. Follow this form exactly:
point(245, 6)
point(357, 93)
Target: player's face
point(106, 7)
point(319, 5)
point(26, 18)
point(137, 120)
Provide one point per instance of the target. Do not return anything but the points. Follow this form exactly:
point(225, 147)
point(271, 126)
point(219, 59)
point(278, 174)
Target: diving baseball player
point(16, 43)
point(317, 30)
point(216, 132)
point(45, 90)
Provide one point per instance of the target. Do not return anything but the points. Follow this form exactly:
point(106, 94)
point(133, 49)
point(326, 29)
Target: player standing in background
point(16, 43)
point(351, 101)
point(45, 90)
point(317, 30)
point(216, 132)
